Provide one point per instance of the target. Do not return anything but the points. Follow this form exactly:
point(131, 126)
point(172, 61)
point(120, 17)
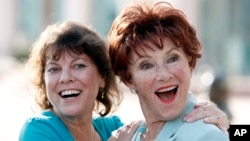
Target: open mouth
point(167, 95)
point(69, 93)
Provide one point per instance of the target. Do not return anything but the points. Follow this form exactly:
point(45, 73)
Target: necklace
point(144, 137)
point(79, 137)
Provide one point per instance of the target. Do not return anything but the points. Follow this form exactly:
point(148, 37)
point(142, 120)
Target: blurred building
point(23, 20)
point(225, 29)
point(223, 26)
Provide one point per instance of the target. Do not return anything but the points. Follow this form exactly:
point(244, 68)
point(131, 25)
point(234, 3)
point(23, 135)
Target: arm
point(210, 113)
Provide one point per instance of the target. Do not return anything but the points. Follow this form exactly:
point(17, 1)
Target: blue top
point(178, 130)
point(48, 127)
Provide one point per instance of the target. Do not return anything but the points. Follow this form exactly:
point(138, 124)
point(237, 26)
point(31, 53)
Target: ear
point(102, 83)
point(132, 87)
point(129, 85)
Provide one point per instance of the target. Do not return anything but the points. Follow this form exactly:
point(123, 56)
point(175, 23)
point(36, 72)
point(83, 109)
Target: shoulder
point(112, 121)
point(41, 118)
point(45, 118)
point(43, 126)
point(199, 130)
point(106, 125)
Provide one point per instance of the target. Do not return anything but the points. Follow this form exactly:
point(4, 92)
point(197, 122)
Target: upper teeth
point(167, 89)
point(69, 92)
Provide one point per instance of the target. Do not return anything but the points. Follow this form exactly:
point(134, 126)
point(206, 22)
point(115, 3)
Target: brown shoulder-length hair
point(142, 22)
point(72, 37)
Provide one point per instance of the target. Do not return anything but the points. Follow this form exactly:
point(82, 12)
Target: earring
point(48, 103)
point(134, 91)
point(102, 92)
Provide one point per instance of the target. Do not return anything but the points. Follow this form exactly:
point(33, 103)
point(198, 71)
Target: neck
point(152, 130)
point(82, 130)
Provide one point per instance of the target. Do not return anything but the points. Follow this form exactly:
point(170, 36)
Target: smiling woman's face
point(72, 83)
point(162, 78)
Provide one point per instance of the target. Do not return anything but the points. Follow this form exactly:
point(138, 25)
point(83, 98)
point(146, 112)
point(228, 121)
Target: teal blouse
point(48, 127)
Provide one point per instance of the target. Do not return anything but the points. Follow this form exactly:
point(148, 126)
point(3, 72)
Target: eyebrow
point(174, 48)
point(50, 62)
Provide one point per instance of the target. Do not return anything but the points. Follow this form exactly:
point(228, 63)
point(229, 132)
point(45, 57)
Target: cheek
point(183, 74)
point(143, 82)
point(50, 82)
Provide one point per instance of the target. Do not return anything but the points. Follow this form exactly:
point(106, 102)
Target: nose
point(163, 73)
point(66, 76)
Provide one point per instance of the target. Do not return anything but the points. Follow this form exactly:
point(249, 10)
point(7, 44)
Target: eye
point(146, 65)
point(53, 69)
point(79, 66)
point(173, 58)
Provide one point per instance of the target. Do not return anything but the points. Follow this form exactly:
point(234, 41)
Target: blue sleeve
point(106, 125)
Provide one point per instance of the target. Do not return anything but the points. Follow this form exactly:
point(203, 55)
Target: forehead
point(56, 51)
point(150, 46)
point(67, 55)
point(150, 49)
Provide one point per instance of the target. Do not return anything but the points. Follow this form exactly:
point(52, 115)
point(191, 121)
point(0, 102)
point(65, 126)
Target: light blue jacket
point(48, 127)
point(178, 130)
